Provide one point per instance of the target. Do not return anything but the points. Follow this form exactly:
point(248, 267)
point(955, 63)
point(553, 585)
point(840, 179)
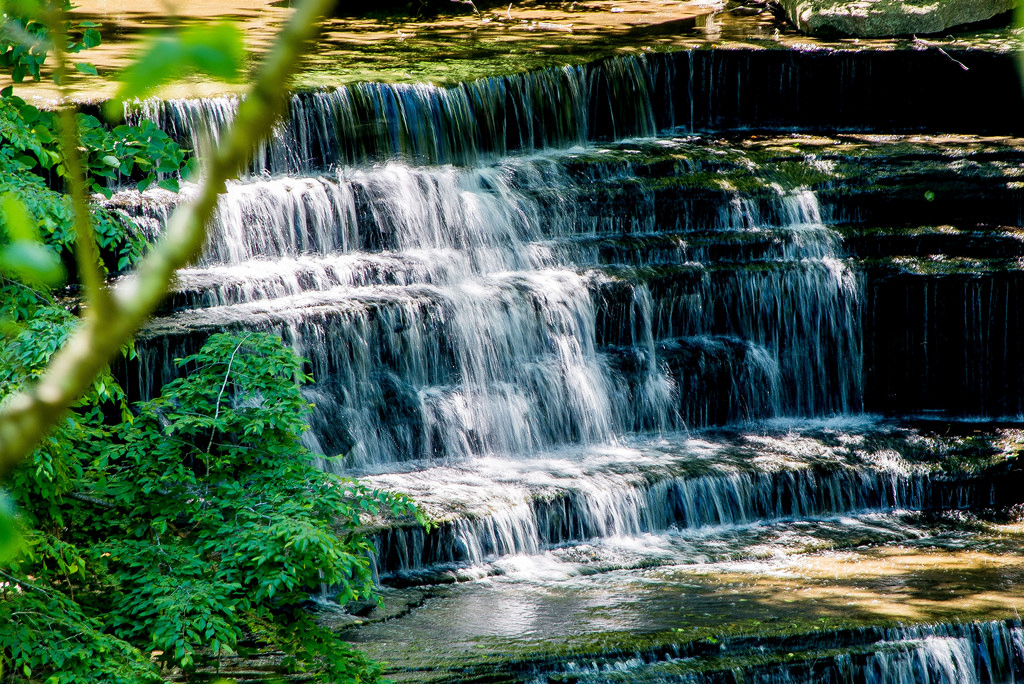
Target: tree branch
point(96, 501)
point(25, 584)
point(87, 255)
point(26, 417)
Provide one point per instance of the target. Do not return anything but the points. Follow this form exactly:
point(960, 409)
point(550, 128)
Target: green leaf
point(111, 160)
point(11, 542)
point(216, 50)
point(32, 262)
point(44, 134)
point(30, 114)
point(91, 38)
point(17, 221)
point(86, 68)
point(169, 184)
point(190, 170)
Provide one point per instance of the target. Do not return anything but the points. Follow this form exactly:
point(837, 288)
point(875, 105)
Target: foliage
point(43, 628)
point(128, 152)
point(182, 531)
point(46, 635)
point(194, 522)
point(112, 315)
point(125, 154)
point(34, 174)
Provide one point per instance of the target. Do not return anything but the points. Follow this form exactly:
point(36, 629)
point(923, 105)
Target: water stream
point(532, 302)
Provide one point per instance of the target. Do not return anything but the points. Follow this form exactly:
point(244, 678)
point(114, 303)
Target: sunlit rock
point(874, 18)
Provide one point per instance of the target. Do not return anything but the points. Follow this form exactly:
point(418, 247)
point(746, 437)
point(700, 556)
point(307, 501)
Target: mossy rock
point(876, 18)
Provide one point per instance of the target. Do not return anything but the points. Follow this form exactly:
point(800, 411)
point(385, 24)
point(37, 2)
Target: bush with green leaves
point(196, 523)
point(32, 173)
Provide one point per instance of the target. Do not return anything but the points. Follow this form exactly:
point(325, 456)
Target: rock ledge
point(876, 18)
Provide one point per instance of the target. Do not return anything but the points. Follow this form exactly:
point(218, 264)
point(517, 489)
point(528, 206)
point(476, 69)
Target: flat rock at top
point(876, 18)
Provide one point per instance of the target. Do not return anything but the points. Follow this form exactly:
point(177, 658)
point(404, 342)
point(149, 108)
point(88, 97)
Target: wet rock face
point(875, 18)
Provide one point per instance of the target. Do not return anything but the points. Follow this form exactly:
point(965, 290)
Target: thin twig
point(224, 386)
point(17, 283)
point(927, 43)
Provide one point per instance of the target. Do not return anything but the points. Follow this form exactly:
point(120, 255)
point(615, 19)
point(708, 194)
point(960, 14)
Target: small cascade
point(946, 341)
point(463, 124)
point(974, 653)
point(620, 97)
point(604, 508)
point(673, 489)
point(933, 659)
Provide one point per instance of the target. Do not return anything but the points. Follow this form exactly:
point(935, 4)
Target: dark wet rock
point(875, 18)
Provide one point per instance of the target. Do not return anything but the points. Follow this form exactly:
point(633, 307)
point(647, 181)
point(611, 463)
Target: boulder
point(875, 18)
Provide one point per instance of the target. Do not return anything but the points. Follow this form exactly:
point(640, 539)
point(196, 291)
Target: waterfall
point(594, 337)
point(451, 312)
point(462, 124)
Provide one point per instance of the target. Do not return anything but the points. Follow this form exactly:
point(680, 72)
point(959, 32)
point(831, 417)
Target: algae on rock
point(876, 18)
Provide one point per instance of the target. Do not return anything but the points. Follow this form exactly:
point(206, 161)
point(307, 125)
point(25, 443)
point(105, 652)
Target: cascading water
point(986, 652)
point(614, 99)
point(456, 312)
point(521, 317)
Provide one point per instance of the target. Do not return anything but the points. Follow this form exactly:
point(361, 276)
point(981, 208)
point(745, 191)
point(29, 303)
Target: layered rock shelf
point(879, 18)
